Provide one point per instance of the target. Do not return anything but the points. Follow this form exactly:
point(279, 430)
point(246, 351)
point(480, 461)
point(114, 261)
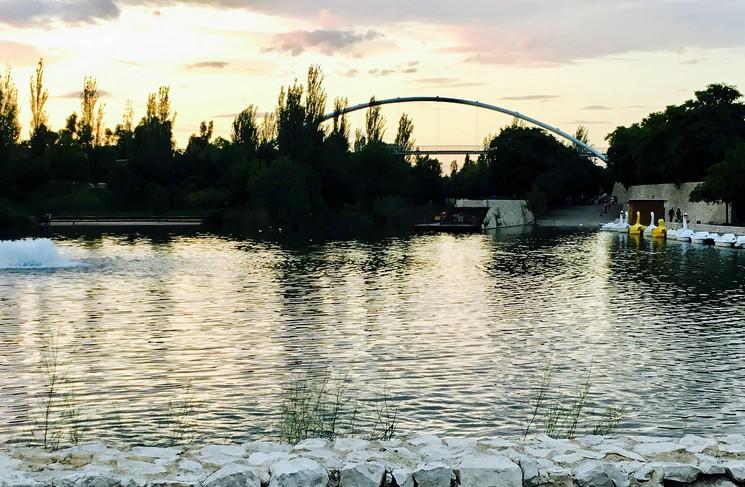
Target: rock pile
point(419, 461)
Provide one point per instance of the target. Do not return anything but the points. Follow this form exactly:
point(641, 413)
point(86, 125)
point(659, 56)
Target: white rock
point(265, 446)
point(190, 466)
point(650, 439)
point(350, 444)
point(486, 470)
point(362, 475)
point(422, 440)
point(138, 469)
point(438, 453)
point(221, 455)
point(170, 454)
point(696, 444)
point(736, 470)
point(234, 476)
point(599, 474)
point(326, 456)
point(403, 477)
point(461, 443)
point(262, 458)
point(578, 456)
point(733, 439)
point(311, 444)
point(590, 440)
point(298, 472)
point(653, 449)
point(497, 443)
point(678, 472)
point(433, 475)
point(732, 448)
point(621, 452)
point(710, 465)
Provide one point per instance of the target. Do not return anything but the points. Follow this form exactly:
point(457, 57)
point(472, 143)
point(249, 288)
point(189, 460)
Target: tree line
point(277, 168)
point(284, 169)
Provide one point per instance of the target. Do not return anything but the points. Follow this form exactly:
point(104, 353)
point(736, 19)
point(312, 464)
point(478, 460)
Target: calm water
point(457, 329)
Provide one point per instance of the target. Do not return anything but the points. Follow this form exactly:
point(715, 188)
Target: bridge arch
point(478, 104)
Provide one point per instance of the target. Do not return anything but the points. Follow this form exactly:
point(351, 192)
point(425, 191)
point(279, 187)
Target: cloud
point(16, 53)
point(596, 107)
point(350, 73)
point(225, 115)
point(531, 98)
point(381, 72)
point(448, 82)
point(325, 41)
point(77, 94)
point(25, 12)
point(207, 65)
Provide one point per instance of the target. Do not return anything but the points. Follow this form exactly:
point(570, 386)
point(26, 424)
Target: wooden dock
point(88, 221)
point(449, 227)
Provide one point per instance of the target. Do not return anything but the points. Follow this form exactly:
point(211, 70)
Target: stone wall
point(423, 461)
point(675, 197)
point(502, 213)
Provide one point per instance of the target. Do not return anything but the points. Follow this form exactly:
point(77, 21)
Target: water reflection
point(457, 327)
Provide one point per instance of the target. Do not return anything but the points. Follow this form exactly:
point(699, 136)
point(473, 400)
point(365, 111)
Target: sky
point(599, 63)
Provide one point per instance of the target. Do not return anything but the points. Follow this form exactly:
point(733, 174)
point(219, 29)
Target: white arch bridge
point(585, 148)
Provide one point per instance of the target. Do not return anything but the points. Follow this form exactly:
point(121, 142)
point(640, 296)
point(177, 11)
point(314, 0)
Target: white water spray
point(32, 253)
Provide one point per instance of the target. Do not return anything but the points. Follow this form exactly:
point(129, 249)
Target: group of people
point(677, 216)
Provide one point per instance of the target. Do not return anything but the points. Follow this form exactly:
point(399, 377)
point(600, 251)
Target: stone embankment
point(424, 461)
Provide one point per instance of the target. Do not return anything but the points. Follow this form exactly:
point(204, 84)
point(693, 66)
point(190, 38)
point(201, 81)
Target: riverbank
point(424, 461)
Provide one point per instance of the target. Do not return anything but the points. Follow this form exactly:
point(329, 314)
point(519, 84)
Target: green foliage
point(324, 407)
point(563, 415)
point(724, 181)
point(679, 144)
point(10, 129)
point(535, 201)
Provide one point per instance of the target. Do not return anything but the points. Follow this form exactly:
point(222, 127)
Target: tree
point(245, 131)
point(153, 137)
point(10, 129)
point(374, 123)
point(88, 111)
point(404, 141)
point(39, 97)
point(680, 143)
point(725, 183)
point(291, 120)
point(340, 130)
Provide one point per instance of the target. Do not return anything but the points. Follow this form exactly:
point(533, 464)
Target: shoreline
point(423, 460)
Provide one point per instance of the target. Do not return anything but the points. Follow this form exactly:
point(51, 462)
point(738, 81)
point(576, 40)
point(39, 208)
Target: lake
point(455, 331)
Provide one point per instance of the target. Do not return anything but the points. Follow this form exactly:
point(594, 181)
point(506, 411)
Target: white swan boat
point(684, 234)
point(703, 237)
point(726, 240)
point(620, 224)
point(652, 226)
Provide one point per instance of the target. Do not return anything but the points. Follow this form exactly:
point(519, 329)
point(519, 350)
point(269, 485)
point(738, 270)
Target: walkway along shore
point(423, 461)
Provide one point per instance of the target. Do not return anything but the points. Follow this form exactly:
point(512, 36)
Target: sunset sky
point(600, 63)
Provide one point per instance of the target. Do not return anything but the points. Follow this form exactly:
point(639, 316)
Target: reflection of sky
point(457, 328)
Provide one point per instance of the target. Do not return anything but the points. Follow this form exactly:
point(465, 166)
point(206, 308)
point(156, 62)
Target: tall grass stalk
point(540, 398)
point(179, 414)
point(326, 408)
point(54, 409)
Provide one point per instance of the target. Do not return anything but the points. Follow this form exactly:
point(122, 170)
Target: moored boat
point(726, 240)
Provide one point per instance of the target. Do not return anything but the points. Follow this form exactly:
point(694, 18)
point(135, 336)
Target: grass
point(54, 411)
point(182, 429)
point(324, 407)
point(565, 415)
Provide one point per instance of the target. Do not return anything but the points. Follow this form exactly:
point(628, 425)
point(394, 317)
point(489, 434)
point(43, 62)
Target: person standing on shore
point(671, 214)
point(679, 216)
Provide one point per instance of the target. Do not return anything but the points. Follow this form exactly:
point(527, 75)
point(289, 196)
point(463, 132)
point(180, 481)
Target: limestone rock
point(736, 470)
point(311, 444)
point(234, 475)
point(487, 470)
point(658, 448)
point(435, 474)
point(422, 440)
point(696, 444)
point(403, 477)
point(350, 444)
point(599, 474)
point(362, 475)
point(298, 472)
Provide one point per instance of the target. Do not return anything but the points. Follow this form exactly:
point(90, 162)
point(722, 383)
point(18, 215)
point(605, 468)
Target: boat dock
point(88, 221)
